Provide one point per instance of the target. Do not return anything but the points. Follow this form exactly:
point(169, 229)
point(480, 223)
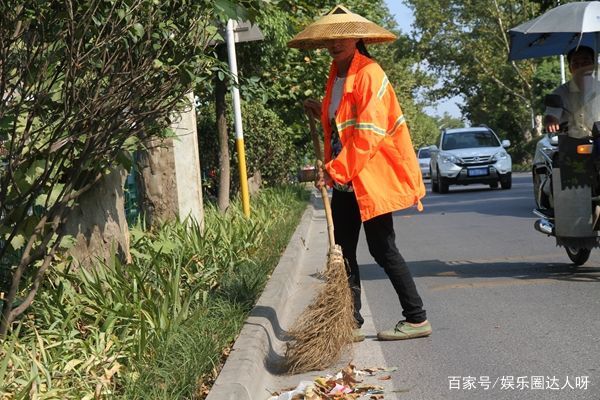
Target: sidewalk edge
point(244, 374)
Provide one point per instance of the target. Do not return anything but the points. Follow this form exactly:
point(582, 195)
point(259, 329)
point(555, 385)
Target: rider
point(581, 62)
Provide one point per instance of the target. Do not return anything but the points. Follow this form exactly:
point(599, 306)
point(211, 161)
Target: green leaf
point(225, 9)
point(125, 160)
point(35, 171)
point(45, 200)
point(138, 29)
point(17, 241)
point(6, 122)
point(67, 242)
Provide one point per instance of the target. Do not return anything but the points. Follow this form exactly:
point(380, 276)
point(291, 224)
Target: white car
point(470, 155)
point(423, 156)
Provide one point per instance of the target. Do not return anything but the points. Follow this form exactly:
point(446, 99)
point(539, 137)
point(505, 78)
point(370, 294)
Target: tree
point(466, 43)
point(284, 77)
point(83, 84)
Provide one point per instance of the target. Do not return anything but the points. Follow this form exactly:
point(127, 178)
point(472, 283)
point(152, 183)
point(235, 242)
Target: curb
point(245, 373)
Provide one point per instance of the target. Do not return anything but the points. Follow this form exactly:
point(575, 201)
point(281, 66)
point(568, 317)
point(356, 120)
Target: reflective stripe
point(343, 125)
point(383, 86)
point(371, 127)
point(398, 122)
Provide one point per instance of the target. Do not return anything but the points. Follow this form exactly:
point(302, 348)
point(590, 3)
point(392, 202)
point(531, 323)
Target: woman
point(369, 158)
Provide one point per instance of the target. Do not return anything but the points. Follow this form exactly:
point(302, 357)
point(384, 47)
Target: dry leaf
point(349, 376)
point(384, 378)
point(363, 388)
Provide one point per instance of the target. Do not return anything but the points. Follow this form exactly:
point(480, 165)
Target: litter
point(344, 385)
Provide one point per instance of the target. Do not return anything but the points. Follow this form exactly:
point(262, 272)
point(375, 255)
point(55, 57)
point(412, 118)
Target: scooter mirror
point(553, 100)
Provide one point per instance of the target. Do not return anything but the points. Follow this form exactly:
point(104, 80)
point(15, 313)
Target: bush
point(268, 146)
point(155, 329)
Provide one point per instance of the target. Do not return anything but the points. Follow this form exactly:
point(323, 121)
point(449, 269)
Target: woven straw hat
point(340, 23)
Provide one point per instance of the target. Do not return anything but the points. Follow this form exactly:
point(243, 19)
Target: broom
point(324, 330)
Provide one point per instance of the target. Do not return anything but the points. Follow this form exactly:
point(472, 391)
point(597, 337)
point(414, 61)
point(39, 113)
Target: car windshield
point(469, 139)
point(424, 153)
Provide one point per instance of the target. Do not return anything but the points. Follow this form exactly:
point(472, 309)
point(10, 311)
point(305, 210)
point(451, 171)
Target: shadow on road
point(481, 270)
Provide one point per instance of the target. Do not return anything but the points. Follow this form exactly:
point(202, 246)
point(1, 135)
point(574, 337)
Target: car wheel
point(506, 181)
point(494, 185)
point(442, 185)
point(434, 184)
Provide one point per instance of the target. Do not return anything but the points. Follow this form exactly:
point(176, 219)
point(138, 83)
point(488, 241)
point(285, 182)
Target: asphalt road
point(505, 303)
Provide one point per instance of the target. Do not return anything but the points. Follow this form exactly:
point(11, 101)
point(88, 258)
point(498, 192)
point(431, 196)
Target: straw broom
point(324, 330)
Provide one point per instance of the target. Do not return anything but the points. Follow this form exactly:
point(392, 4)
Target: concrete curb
point(245, 374)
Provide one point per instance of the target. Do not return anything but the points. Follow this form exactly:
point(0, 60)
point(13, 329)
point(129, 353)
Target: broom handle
point(324, 195)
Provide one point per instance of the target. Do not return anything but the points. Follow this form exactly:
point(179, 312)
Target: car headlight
point(501, 155)
point(450, 158)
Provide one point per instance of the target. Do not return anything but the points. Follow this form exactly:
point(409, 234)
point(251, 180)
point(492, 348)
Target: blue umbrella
point(557, 31)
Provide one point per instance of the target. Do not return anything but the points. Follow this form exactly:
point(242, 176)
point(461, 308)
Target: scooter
point(569, 185)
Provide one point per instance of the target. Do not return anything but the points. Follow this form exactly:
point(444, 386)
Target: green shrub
point(155, 329)
point(269, 148)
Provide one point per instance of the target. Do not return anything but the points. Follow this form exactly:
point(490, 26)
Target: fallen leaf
point(384, 378)
point(349, 376)
point(372, 370)
point(314, 397)
point(366, 388)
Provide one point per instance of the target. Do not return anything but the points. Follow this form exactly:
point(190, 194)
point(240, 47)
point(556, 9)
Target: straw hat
point(340, 23)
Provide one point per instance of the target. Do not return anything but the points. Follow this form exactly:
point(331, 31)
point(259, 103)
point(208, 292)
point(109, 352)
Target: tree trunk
point(224, 168)
point(157, 185)
point(170, 184)
point(98, 222)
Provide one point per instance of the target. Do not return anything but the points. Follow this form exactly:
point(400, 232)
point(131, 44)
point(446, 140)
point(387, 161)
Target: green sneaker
point(357, 335)
point(404, 330)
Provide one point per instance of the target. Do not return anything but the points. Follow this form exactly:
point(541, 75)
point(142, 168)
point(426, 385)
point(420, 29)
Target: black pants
point(380, 235)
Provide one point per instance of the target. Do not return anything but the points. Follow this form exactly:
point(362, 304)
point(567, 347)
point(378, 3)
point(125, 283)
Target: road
point(504, 302)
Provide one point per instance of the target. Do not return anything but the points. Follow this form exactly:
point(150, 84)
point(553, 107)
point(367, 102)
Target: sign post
point(239, 32)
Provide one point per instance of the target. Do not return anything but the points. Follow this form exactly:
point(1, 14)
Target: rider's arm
point(553, 115)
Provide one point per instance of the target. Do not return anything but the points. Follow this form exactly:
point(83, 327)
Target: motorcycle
point(567, 179)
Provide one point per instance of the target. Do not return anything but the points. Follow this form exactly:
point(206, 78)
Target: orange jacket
point(377, 154)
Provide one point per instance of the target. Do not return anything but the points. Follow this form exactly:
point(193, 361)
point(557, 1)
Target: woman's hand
point(322, 179)
point(312, 107)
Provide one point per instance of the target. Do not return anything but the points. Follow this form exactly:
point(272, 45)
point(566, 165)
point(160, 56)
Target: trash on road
point(344, 385)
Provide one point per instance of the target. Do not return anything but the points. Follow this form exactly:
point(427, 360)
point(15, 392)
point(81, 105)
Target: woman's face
point(341, 50)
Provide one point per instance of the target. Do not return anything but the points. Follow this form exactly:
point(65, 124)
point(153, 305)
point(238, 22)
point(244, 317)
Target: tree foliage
point(466, 43)
point(82, 84)
point(268, 143)
point(282, 78)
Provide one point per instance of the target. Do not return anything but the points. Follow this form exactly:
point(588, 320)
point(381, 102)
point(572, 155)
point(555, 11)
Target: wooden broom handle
point(324, 194)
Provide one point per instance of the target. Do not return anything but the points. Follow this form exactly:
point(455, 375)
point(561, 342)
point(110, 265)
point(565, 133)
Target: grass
point(160, 327)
